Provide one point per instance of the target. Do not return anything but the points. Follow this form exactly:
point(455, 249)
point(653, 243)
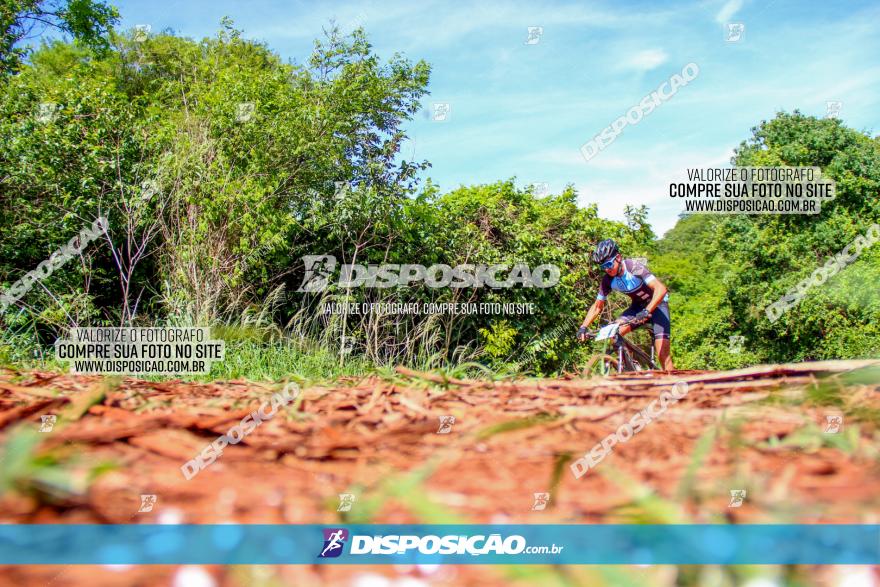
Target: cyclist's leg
point(626, 315)
point(662, 327)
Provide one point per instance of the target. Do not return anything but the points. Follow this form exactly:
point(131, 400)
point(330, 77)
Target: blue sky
point(523, 110)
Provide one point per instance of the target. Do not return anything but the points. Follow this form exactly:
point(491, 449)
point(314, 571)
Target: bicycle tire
point(608, 362)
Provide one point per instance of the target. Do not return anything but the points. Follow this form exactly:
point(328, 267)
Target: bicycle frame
point(626, 351)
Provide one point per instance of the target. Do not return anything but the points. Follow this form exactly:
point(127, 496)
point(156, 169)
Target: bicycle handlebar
point(626, 321)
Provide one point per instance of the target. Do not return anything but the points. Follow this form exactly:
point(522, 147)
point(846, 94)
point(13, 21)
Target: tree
point(724, 271)
point(87, 21)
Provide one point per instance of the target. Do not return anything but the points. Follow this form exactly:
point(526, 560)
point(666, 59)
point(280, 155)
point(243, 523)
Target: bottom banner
point(235, 544)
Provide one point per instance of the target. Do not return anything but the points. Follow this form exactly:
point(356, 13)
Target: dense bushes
point(220, 167)
point(725, 270)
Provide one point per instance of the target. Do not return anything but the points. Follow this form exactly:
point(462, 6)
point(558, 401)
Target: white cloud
point(647, 60)
point(644, 179)
point(730, 8)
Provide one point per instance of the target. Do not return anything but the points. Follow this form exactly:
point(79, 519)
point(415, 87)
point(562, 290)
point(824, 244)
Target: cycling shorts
point(659, 318)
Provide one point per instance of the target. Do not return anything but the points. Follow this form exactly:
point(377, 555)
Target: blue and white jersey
point(633, 281)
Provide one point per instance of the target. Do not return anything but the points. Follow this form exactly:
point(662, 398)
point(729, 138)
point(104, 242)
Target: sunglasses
point(607, 264)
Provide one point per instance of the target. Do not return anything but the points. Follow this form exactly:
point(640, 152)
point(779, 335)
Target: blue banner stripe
point(565, 544)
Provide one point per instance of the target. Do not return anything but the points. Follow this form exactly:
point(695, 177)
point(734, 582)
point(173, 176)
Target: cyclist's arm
point(593, 312)
point(659, 290)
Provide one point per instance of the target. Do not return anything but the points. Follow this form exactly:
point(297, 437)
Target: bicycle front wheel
point(600, 365)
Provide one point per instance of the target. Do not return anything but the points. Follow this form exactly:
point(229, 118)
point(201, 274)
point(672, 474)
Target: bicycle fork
point(619, 346)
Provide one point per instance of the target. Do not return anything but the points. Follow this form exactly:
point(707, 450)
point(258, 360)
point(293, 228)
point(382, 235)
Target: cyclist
point(648, 294)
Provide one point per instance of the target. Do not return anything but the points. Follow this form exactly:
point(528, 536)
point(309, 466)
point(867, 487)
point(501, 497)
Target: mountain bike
point(624, 356)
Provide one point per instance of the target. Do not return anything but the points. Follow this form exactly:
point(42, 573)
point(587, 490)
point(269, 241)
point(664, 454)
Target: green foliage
point(724, 271)
point(220, 166)
point(88, 21)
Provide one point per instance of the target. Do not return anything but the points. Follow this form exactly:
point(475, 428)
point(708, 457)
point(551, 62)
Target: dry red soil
point(377, 438)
